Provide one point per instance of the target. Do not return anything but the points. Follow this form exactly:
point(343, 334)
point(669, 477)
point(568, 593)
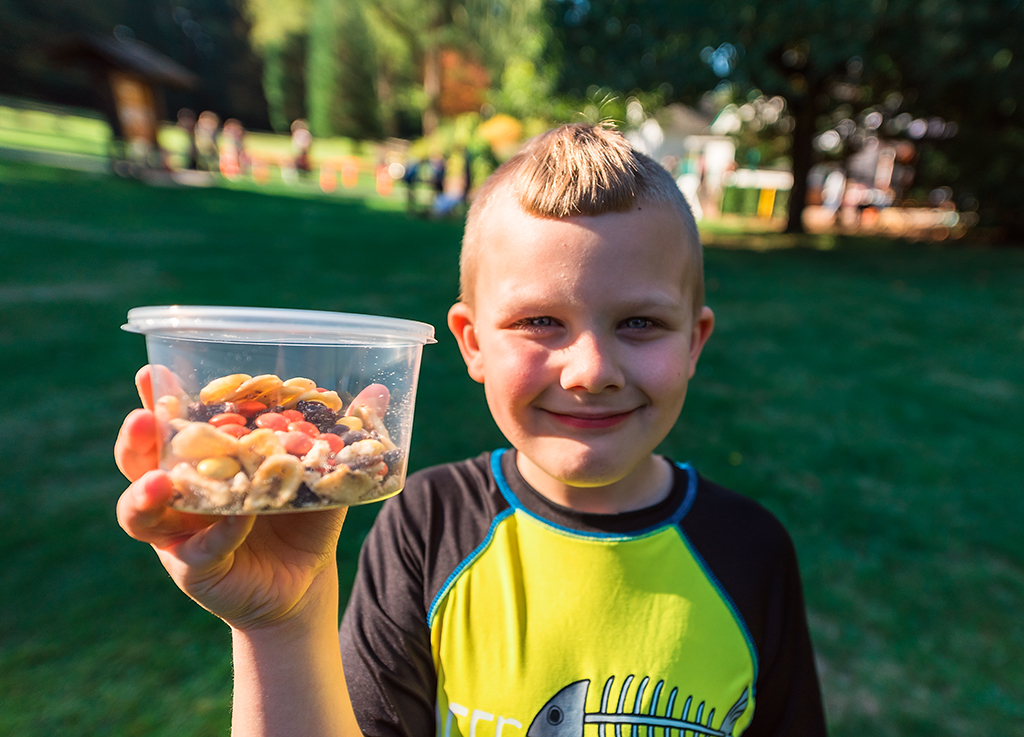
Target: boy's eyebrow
point(526, 301)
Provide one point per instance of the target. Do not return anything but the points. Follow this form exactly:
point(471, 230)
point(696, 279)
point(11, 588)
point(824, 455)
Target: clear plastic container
point(265, 410)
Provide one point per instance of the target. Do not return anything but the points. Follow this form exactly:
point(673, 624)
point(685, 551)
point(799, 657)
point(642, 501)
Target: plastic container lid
point(272, 325)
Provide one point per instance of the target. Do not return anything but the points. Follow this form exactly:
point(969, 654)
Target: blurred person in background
point(832, 193)
point(302, 143)
point(206, 141)
point(410, 178)
point(187, 122)
point(234, 161)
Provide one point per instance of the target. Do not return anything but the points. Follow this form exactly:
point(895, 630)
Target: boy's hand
point(252, 572)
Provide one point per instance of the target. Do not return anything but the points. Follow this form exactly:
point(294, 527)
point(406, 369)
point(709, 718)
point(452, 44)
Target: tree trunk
point(803, 152)
point(431, 87)
point(388, 120)
point(273, 86)
point(322, 69)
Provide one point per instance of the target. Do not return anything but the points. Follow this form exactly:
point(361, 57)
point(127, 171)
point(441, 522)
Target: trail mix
point(259, 444)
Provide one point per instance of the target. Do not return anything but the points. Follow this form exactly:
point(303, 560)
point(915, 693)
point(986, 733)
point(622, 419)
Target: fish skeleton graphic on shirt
point(565, 715)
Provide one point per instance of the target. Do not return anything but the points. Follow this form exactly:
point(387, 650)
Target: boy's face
point(583, 333)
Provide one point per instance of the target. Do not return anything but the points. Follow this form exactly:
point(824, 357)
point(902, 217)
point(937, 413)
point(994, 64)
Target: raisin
point(318, 414)
point(354, 436)
point(199, 412)
point(306, 497)
point(393, 458)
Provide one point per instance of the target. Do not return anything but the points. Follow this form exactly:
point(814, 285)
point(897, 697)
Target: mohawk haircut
point(577, 170)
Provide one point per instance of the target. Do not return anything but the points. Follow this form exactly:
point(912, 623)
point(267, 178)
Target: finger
point(144, 383)
point(164, 382)
point(143, 504)
point(136, 449)
point(143, 512)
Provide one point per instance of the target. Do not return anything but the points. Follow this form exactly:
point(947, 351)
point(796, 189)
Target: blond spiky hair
point(577, 170)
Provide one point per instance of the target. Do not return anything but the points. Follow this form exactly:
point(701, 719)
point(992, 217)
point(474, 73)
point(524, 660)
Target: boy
point(576, 579)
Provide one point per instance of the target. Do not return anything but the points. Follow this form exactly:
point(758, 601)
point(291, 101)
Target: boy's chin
point(580, 468)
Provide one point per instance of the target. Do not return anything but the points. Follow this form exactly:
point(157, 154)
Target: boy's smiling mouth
point(590, 420)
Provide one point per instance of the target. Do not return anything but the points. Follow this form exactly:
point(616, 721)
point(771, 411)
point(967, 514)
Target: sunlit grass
point(869, 394)
point(85, 132)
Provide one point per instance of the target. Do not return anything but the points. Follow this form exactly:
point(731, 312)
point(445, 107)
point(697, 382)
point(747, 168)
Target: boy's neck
point(648, 484)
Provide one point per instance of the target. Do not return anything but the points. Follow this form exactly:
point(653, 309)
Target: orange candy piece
point(296, 443)
point(250, 407)
point(235, 431)
point(272, 421)
point(333, 440)
point(227, 418)
point(304, 427)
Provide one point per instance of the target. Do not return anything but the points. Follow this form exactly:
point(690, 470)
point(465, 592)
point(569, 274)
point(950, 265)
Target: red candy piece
point(333, 440)
point(272, 421)
point(296, 443)
point(304, 427)
point(227, 418)
point(250, 408)
point(235, 431)
point(293, 415)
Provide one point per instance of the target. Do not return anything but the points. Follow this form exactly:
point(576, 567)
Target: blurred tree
point(341, 71)
point(424, 26)
point(510, 37)
point(399, 88)
point(794, 49)
point(276, 28)
point(963, 61)
point(960, 59)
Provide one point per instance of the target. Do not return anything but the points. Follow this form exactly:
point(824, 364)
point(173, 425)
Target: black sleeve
point(417, 541)
point(385, 643)
point(752, 556)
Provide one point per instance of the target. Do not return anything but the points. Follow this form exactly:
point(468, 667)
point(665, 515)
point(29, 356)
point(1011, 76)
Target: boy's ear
point(703, 326)
point(461, 323)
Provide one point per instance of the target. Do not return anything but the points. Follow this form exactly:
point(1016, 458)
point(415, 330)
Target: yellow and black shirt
point(481, 609)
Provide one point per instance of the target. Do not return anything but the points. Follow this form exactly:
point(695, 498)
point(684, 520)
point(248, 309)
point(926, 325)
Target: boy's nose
point(590, 364)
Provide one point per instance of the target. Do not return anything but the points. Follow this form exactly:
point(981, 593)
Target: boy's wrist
point(317, 610)
point(288, 673)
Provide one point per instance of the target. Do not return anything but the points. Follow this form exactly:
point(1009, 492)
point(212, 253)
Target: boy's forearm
point(288, 679)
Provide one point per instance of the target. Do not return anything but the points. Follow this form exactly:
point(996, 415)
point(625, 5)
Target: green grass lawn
point(870, 394)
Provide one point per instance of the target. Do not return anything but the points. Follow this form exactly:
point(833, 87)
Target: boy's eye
point(638, 323)
point(537, 322)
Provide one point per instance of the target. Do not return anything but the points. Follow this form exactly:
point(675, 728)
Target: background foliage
point(372, 68)
point(961, 60)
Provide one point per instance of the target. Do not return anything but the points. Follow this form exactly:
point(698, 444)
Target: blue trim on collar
point(675, 519)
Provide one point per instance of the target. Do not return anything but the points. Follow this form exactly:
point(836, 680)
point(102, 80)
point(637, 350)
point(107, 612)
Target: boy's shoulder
point(422, 535)
point(721, 517)
point(750, 555)
point(449, 493)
